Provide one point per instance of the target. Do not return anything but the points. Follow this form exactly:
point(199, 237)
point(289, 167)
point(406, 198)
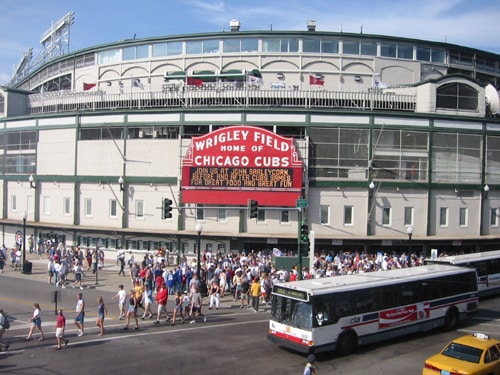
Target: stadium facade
point(395, 144)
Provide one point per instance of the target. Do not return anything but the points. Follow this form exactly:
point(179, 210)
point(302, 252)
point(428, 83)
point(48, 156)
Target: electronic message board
point(231, 165)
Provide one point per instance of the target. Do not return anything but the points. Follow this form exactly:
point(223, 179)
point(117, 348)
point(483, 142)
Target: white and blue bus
point(486, 264)
point(342, 312)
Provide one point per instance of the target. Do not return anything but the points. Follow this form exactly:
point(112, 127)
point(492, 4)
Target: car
point(474, 354)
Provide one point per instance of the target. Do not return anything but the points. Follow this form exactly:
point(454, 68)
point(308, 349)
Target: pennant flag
point(88, 86)
point(190, 81)
point(254, 80)
point(313, 80)
point(136, 82)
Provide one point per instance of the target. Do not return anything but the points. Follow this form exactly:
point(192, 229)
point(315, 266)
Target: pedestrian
point(196, 303)
point(78, 269)
point(4, 325)
point(161, 300)
point(122, 297)
point(2, 261)
point(309, 368)
point(121, 262)
point(60, 327)
point(177, 309)
point(17, 259)
point(214, 293)
point(186, 305)
point(147, 301)
point(36, 322)
point(132, 310)
point(255, 292)
point(102, 312)
point(80, 314)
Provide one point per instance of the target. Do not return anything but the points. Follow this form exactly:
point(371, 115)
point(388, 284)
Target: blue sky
point(22, 22)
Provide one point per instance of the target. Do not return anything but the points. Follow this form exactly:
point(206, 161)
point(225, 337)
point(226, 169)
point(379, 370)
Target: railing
point(199, 97)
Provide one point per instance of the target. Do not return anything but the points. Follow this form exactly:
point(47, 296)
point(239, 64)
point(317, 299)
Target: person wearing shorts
point(80, 314)
point(60, 327)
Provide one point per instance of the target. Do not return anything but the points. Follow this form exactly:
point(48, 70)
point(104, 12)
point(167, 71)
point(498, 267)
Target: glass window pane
point(386, 216)
point(142, 52)
point(443, 216)
point(348, 215)
point(311, 45)
point(129, 53)
point(194, 47)
point(350, 47)
point(330, 46)
point(231, 45)
point(270, 45)
point(423, 54)
point(159, 49)
point(405, 52)
point(324, 215)
point(211, 46)
point(369, 48)
point(174, 48)
point(249, 45)
point(388, 50)
point(438, 55)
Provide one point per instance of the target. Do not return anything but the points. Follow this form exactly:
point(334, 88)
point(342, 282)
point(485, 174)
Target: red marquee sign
point(232, 165)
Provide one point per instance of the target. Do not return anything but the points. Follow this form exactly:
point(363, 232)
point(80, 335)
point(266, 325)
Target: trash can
point(27, 267)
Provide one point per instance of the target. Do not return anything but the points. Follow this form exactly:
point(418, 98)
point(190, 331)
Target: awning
point(181, 74)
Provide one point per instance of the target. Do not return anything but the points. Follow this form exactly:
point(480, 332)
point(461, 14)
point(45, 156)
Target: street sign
point(301, 203)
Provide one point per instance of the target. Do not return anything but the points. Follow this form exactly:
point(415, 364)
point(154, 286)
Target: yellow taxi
point(476, 354)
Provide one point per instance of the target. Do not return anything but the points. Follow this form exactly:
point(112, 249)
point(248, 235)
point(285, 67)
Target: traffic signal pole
point(299, 243)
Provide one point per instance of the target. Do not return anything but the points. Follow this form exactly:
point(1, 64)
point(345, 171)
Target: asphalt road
point(231, 341)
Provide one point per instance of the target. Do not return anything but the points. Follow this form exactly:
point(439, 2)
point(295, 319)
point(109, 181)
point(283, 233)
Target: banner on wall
point(231, 165)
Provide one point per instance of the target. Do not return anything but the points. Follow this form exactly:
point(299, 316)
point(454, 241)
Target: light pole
point(25, 216)
point(199, 229)
point(409, 230)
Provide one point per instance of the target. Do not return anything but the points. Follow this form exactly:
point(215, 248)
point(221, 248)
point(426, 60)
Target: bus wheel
point(451, 319)
point(346, 343)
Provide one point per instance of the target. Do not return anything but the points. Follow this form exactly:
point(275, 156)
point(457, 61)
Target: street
point(231, 341)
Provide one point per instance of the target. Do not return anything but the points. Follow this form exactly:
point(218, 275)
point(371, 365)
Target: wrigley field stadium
point(250, 140)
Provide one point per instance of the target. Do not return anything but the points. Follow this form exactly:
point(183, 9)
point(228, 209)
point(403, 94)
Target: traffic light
point(304, 233)
point(304, 249)
point(166, 209)
point(253, 209)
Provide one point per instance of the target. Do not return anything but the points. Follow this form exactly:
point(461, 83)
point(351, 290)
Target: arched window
point(457, 96)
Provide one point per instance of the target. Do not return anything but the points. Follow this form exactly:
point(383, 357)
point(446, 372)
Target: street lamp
point(199, 229)
point(25, 216)
point(409, 230)
point(120, 182)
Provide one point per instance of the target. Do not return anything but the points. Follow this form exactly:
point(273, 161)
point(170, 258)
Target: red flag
point(88, 86)
point(190, 81)
point(316, 81)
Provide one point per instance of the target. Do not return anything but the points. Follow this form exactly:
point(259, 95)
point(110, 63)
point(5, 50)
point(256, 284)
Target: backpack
point(5, 322)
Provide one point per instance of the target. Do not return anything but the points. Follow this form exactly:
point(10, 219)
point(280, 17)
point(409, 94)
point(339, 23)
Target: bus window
point(342, 305)
point(323, 313)
point(302, 315)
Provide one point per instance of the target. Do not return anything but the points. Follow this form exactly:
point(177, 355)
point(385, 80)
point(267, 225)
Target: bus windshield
point(291, 312)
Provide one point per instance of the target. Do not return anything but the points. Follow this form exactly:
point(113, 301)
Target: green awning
point(181, 74)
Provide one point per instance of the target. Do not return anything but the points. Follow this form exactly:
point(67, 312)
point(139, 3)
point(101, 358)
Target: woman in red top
point(59, 327)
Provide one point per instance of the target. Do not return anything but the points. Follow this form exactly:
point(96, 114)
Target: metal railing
point(200, 97)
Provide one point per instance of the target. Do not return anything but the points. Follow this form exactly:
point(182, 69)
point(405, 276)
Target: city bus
point(343, 312)
point(486, 264)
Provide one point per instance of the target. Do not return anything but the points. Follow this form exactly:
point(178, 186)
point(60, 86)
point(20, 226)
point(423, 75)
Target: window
point(443, 216)
point(13, 203)
point(408, 219)
point(66, 206)
point(139, 209)
point(94, 134)
point(462, 217)
point(109, 57)
point(87, 207)
point(2, 103)
point(388, 50)
point(200, 212)
point(338, 153)
point(261, 215)
point(369, 48)
point(405, 52)
point(386, 216)
point(457, 96)
point(494, 217)
point(280, 45)
point(324, 215)
point(221, 215)
point(136, 52)
point(113, 208)
point(350, 47)
point(46, 205)
point(492, 158)
point(400, 154)
point(285, 216)
point(348, 210)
